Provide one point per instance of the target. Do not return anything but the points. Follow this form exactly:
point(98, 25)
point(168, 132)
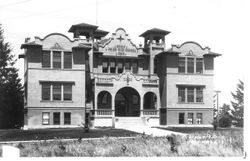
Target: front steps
point(128, 122)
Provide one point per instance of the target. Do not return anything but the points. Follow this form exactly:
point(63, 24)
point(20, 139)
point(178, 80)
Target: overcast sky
point(220, 24)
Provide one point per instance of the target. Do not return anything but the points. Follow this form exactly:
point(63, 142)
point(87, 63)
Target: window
point(190, 118)
point(181, 65)
point(181, 118)
point(190, 65)
point(105, 66)
point(67, 92)
point(45, 118)
point(112, 66)
point(135, 66)
point(190, 94)
point(57, 59)
point(56, 118)
point(199, 65)
point(46, 59)
point(127, 65)
point(199, 94)
point(67, 60)
point(67, 118)
point(155, 65)
point(45, 91)
point(181, 94)
point(120, 66)
point(104, 100)
point(56, 91)
point(199, 118)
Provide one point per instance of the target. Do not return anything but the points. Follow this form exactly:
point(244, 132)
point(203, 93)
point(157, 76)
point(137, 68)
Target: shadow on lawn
point(75, 133)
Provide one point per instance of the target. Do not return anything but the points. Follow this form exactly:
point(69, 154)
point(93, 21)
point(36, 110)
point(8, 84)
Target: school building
point(110, 81)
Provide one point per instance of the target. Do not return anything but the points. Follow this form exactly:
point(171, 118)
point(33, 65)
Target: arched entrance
point(150, 101)
point(127, 102)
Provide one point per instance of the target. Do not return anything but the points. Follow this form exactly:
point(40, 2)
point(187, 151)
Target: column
point(95, 104)
point(113, 105)
point(141, 106)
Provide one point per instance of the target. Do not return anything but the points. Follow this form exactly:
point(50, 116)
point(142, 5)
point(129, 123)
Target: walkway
point(151, 131)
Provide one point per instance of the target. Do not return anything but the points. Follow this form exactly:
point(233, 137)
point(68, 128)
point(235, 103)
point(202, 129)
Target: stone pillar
point(141, 106)
point(96, 98)
point(151, 58)
point(151, 62)
point(113, 105)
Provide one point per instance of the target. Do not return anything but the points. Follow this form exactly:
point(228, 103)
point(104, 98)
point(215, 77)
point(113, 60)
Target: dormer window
point(199, 65)
point(57, 59)
point(190, 65)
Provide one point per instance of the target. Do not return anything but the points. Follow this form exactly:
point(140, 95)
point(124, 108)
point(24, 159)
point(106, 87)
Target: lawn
point(46, 134)
point(201, 143)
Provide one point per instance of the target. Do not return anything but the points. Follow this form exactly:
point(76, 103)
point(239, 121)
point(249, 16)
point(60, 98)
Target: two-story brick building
point(113, 82)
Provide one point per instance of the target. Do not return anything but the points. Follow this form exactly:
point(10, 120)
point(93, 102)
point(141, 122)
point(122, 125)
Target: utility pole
point(217, 116)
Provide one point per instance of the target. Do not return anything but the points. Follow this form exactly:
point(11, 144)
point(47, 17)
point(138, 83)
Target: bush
point(225, 121)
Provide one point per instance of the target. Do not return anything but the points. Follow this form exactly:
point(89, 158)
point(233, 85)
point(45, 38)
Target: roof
point(144, 54)
point(103, 41)
point(82, 25)
point(168, 51)
point(154, 31)
point(98, 34)
point(33, 43)
point(83, 46)
point(212, 54)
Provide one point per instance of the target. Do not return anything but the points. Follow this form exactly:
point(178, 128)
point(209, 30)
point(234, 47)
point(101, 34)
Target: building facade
point(110, 81)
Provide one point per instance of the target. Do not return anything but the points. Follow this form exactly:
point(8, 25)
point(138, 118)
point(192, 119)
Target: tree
point(238, 104)
point(11, 90)
point(225, 116)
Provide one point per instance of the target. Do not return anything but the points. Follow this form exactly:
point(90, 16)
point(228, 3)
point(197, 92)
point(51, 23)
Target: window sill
point(190, 103)
point(56, 101)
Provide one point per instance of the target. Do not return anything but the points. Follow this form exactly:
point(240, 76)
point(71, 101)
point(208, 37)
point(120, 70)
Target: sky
point(221, 25)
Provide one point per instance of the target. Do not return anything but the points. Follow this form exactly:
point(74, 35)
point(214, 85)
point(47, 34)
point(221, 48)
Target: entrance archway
point(127, 102)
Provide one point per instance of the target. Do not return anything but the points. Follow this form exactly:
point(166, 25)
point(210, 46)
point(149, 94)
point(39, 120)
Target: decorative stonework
point(57, 46)
point(119, 45)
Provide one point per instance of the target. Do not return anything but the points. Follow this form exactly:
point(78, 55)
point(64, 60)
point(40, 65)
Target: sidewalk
point(152, 131)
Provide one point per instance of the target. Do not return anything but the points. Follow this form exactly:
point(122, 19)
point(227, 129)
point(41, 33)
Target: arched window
point(104, 100)
point(150, 101)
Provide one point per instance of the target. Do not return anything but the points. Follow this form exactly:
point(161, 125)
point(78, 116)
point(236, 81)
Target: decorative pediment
point(119, 45)
point(190, 53)
point(57, 47)
point(190, 48)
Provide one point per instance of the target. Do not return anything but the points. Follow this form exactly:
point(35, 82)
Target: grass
point(191, 130)
point(46, 134)
point(202, 143)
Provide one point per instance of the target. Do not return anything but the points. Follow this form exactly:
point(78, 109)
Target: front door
point(127, 103)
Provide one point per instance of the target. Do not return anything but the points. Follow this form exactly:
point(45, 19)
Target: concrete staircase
point(128, 122)
point(138, 124)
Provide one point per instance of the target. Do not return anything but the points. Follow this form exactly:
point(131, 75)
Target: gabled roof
point(154, 31)
point(82, 25)
point(33, 43)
